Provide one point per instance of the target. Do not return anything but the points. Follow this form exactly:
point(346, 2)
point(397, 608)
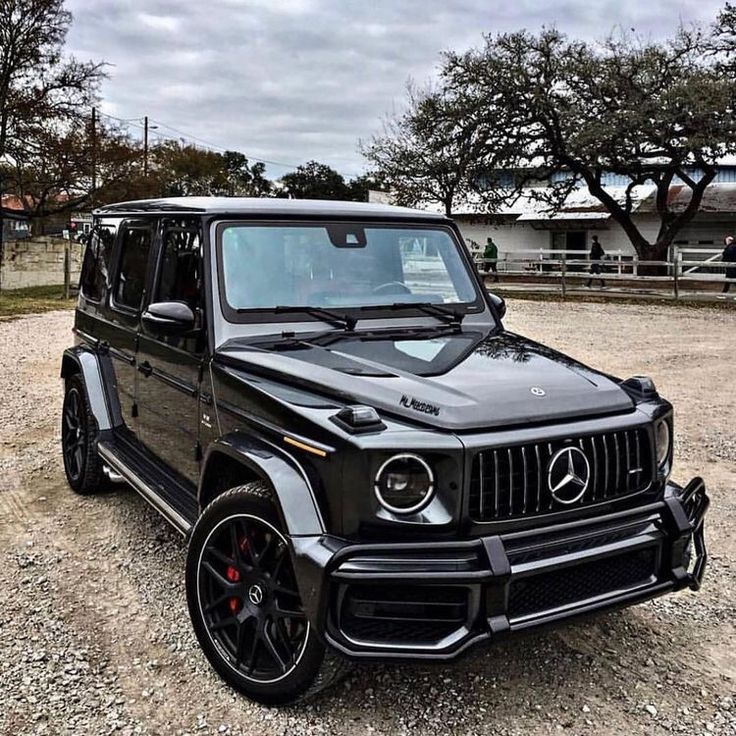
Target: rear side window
point(180, 274)
point(134, 248)
point(94, 281)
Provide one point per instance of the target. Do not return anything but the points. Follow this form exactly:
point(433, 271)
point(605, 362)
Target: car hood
point(454, 381)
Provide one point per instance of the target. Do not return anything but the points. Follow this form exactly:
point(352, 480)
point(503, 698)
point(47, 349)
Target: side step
point(176, 503)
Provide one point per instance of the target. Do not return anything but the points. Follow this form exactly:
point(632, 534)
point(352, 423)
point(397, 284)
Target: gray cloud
point(291, 80)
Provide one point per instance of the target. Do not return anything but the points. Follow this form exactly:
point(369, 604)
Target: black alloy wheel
point(74, 434)
point(82, 463)
point(249, 599)
point(245, 604)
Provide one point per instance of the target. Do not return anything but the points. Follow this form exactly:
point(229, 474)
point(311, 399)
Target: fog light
point(663, 441)
point(404, 484)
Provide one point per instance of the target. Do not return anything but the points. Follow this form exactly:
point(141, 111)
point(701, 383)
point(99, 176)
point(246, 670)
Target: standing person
point(597, 254)
point(729, 256)
point(490, 258)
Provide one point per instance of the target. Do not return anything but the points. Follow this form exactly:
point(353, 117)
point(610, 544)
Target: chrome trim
point(111, 475)
point(417, 506)
point(148, 494)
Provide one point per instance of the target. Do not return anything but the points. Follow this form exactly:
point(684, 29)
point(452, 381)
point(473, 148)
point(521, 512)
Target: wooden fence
point(691, 274)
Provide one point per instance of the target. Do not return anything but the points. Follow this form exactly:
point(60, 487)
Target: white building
point(527, 224)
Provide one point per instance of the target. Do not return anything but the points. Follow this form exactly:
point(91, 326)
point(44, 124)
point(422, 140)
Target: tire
point(82, 463)
point(245, 606)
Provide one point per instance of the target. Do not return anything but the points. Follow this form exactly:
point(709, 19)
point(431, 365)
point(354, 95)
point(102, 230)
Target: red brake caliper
point(234, 577)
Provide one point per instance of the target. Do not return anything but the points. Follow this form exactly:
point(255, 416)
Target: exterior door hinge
point(134, 411)
point(198, 452)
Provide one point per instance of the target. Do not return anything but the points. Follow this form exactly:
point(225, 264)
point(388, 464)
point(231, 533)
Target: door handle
point(145, 368)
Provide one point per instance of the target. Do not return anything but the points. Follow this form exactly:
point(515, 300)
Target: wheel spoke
point(282, 613)
point(224, 623)
point(266, 549)
point(239, 641)
point(273, 651)
point(220, 579)
point(254, 556)
point(255, 650)
point(70, 420)
point(235, 545)
point(284, 590)
point(78, 459)
point(220, 556)
point(284, 638)
point(279, 562)
point(217, 602)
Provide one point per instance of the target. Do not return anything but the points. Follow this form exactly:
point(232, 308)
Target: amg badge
point(422, 406)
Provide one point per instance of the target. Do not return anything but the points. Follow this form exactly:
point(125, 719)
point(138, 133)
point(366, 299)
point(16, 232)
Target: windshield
point(341, 266)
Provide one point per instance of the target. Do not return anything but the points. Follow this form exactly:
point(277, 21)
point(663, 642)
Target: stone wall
point(38, 261)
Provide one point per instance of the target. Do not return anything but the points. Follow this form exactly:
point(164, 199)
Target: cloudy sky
point(293, 80)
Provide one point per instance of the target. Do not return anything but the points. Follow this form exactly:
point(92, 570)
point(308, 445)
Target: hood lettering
point(422, 406)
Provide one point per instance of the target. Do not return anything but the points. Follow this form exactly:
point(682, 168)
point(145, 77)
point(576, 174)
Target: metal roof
point(269, 207)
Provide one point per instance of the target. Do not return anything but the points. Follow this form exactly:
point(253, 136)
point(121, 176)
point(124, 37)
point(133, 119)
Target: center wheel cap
point(255, 594)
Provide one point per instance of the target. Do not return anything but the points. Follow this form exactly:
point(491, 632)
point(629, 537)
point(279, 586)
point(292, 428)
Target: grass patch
point(16, 302)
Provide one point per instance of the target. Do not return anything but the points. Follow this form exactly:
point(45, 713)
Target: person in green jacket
point(490, 258)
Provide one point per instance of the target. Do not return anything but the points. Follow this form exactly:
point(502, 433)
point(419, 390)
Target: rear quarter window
point(130, 283)
point(95, 278)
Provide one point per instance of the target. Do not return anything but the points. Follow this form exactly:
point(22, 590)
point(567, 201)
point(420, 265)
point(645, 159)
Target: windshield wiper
point(343, 321)
point(447, 315)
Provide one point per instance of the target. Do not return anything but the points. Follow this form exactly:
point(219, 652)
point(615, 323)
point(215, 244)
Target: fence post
point(67, 267)
point(564, 272)
point(676, 273)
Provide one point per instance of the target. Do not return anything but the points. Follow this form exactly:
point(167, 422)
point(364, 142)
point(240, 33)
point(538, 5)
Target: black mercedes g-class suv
point(321, 396)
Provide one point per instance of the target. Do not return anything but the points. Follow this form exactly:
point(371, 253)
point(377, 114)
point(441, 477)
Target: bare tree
point(430, 152)
point(38, 85)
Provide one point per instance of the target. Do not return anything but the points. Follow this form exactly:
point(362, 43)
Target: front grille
point(408, 615)
point(579, 583)
point(511, 482)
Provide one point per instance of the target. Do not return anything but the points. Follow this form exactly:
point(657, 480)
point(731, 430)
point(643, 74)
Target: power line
point(188, 136)
point(212, 145)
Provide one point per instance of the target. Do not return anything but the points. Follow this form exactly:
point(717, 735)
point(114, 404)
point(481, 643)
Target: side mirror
point(168, 318)
point(499, 304)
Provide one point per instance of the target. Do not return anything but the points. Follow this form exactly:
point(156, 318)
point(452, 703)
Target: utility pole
point(93, 142)
point(145, 147)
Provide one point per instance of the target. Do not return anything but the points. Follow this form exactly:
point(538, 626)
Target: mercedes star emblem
point(568, 475)
point(255, 595)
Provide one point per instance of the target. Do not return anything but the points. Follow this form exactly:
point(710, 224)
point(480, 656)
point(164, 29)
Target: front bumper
point(435, 600)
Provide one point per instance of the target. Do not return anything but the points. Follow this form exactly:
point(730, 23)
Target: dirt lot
point(94, 634)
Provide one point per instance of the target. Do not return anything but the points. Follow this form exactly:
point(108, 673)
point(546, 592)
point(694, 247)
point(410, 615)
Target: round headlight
point(404, 484)
point(663, 440)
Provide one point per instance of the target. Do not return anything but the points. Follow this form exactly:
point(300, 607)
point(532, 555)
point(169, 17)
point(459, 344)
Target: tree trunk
point(657, 251)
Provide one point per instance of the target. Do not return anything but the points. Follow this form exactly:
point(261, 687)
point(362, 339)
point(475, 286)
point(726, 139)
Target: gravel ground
point(95, 635)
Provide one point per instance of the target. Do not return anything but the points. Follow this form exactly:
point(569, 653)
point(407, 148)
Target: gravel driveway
point(95, 636)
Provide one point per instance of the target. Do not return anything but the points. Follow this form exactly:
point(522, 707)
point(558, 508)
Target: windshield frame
point(265, 315)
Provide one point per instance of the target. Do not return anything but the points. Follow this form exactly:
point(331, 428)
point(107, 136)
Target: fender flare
point(84, 361)
point(295, 495)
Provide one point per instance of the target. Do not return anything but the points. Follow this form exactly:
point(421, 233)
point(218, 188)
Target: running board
point(144, 488)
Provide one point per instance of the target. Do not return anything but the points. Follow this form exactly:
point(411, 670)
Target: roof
point(12, 207)
point(718, 198)
point(12, 202)
point(265, 206)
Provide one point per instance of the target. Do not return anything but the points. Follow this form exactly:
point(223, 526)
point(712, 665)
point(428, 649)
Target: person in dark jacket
point(490, 258)
point(597, 254)
point(729, 256)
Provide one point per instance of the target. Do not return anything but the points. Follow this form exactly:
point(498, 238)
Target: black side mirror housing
point(168, 318)
point(499, 304)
